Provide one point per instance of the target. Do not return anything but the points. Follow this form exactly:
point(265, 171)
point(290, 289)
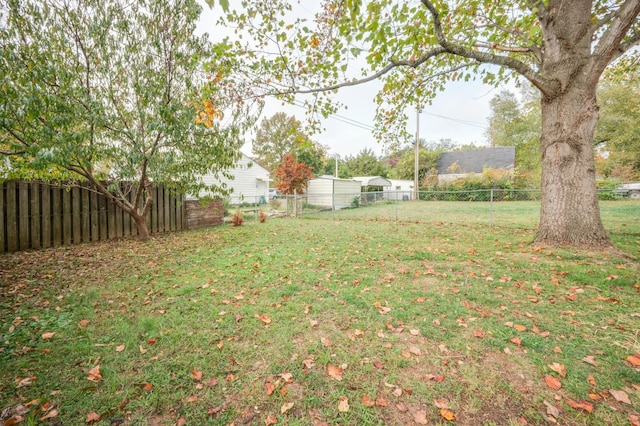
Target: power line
point(458, 120)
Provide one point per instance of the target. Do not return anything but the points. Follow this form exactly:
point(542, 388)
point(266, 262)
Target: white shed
point(372, 181)
point(250, 183)
point(328, 191)
point(400, 189)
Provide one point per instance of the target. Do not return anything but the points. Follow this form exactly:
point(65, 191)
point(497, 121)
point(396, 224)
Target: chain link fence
point(494, 207)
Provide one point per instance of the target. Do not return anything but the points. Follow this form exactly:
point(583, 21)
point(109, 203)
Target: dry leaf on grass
point(367, 401)
point(447, 414)
point(558, 368)
point(420, 417)
point(286, 407)
point(620, 396)
point(343, 405)
point(552, 382)
point(50, 415)
point(582, 405)
point(271, 420)
point(269, 388)
point(264, 318)
point(441, 403)
point(92, 417)
point(94, 374)
point(552, 410)
point(634, 360)
point(334, 372)
point(196, 375)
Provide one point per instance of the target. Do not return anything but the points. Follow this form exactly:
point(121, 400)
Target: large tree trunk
point(570, 214)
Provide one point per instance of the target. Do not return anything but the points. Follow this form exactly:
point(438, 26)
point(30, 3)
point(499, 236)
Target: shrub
point(237, 218)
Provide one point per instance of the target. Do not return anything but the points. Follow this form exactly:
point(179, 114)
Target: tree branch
point(520, 67)
point(630, 43)
point(394, 64)
point(608, 47)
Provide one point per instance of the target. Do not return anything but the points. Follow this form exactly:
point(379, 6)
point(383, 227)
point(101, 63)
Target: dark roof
point(474, 161)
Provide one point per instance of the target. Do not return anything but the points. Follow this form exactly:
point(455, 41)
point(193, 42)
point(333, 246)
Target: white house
point(250, 183)
point(328, 191)
point(400, 189)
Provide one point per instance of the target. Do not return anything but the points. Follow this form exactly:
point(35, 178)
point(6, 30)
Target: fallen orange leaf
point(94, 374)
point(381, 402)
point(326, 342)
point(92, 417)
point(271, 420)
point(634, 360)
point(447, 414)
point(334, 372)
point(438, 378)
point(48, 335)
point(196, 375)
point(367, 401)
point(269, 388)
point(51, 414)
point(582, 405)
point(552, 382)
point(120, 348)
point(264, 318)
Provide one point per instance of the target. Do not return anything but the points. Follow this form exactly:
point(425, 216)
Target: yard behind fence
point(493, 207)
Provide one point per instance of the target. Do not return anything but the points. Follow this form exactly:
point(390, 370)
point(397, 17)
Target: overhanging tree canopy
point(115, 90)
point(561, 47)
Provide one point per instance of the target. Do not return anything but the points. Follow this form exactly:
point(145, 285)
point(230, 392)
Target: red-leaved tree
point(292, 176)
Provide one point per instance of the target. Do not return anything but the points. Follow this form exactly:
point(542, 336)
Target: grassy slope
point(233, 324)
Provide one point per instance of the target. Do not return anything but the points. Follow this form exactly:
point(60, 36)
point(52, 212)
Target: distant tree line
point(514, 120)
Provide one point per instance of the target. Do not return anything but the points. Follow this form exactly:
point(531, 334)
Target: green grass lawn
point(350, 322)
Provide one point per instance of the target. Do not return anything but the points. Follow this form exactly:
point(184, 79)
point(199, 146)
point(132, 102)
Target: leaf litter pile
point(316, 322)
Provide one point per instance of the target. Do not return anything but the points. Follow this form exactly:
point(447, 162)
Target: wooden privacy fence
point(39, 215)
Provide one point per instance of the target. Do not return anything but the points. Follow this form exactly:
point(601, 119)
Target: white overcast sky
point(459, 113)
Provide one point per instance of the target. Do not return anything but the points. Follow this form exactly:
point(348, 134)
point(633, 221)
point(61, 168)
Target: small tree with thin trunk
point(114, 93)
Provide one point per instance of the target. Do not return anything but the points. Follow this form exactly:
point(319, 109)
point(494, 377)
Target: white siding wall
point(344, 191)
point(328, 192)
point(250, 182)
point(399, 190)
point(320, 192)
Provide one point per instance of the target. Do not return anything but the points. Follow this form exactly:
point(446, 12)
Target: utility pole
point(416, 156)
point(337, 157)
